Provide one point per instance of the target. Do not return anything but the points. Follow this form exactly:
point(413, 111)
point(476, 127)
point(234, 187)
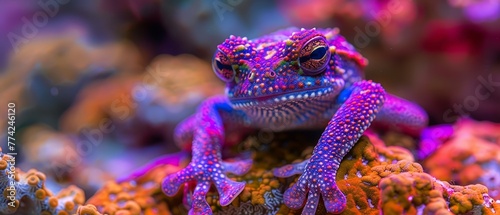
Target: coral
point(356, 164)
point(139, 196)
point(87, 210)
point(471, 155)
point(26, 191)
point(373, 178)
point(263, 192)
point(122, 56)
point(41, 138)
point(378, 178)
point(392, 138)
point(148, 105)
point(412, 193)
point(362, 170)
point(62, 158)
point(20, 78)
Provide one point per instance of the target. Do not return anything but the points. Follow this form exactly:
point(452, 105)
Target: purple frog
point(290, 79)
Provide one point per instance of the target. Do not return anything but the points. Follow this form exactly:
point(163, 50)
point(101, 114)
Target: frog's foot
point(317, 180)
point(291, 169)
point(204, 174)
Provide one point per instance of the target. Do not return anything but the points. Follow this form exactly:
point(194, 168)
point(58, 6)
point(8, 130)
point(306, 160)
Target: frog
point(292, 79)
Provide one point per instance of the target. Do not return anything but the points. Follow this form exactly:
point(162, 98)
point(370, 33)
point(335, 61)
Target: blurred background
point(100, 85)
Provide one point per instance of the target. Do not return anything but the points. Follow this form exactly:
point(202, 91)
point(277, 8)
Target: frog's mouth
point(285, 97)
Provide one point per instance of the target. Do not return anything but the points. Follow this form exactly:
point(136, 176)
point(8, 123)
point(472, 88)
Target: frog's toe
point(295, 196)
point(335, 201)
point(311, 203)
point(228, 190)
point(199, 204)
point(291, 169)
point(172, 182)
point(239, 167)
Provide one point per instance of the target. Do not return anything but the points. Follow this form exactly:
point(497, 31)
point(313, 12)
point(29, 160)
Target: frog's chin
point(269, 101)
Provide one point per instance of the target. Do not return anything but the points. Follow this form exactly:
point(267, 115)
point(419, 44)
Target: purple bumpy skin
point(289, 79)
point(343, 130)
point(206, 166)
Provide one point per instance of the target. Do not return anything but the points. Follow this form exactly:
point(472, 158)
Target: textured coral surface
point(470, 155)
point(142, 195)
point(31, 195)
point(373, 178)
point(176, 86)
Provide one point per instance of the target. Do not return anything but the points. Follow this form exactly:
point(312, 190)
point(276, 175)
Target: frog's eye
point(222, 67)
point(314, 56)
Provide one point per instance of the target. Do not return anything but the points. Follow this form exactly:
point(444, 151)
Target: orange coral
point(169, 80)
point(141, 196)
point(374, 179)
point(471, 155)
point(363, 168)
point(379, 179)
point(45, 52)
point(413, 193)
point(88, 210)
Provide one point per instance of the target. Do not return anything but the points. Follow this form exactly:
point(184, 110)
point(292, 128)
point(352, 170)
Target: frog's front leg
point(345, 128)
point(206, 130)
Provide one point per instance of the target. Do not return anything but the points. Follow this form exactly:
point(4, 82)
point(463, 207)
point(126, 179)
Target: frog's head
point(290, 65)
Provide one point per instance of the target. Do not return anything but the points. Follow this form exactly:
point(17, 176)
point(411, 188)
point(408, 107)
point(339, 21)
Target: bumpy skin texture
point(291, 79)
